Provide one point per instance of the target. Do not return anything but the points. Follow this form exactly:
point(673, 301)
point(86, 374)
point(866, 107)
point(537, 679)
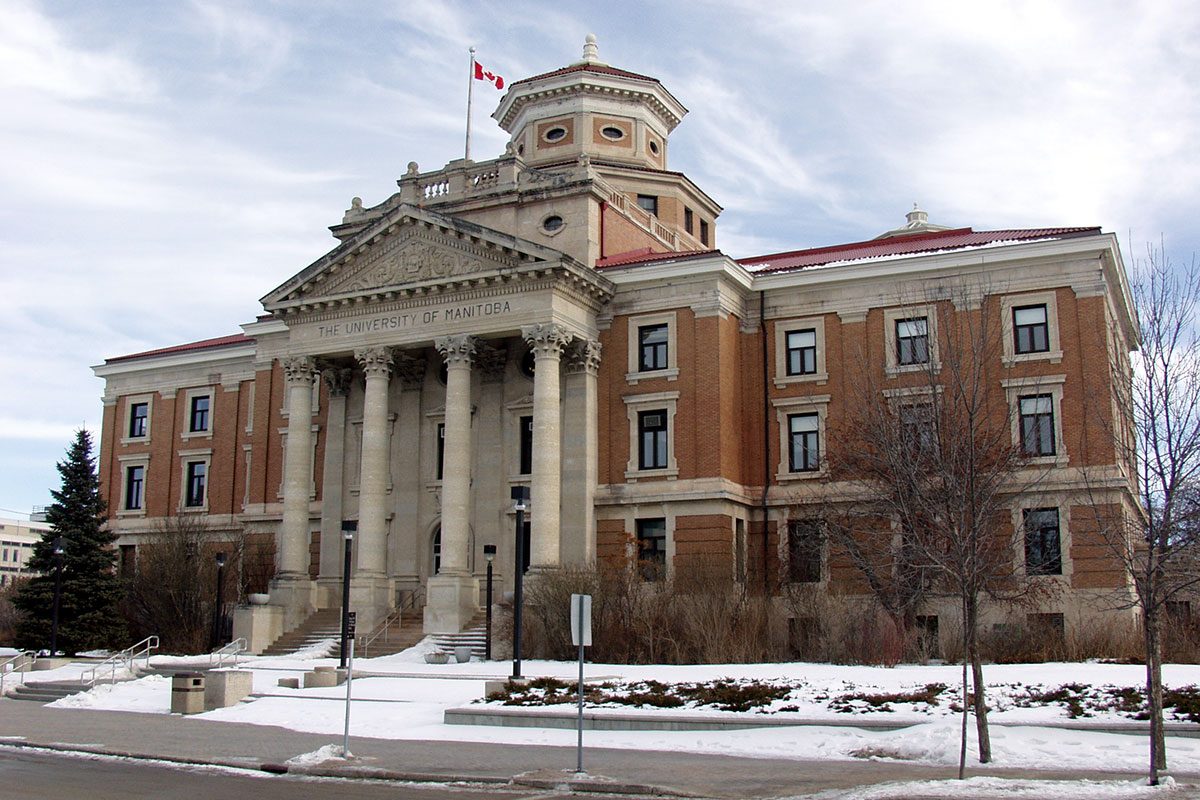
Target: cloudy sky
point(165, 164)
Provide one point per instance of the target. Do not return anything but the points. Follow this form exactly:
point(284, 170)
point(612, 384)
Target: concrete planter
point(462, 654)
point(258, 599)
point(437, 658)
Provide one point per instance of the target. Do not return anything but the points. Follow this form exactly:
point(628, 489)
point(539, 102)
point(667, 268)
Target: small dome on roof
point(915, 221)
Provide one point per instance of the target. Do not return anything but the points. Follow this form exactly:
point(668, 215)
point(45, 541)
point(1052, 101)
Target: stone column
point(547, 342)
point(337, 379)
point(452, 596)
point(370, 542)
point(580, 452)
point(299, 373)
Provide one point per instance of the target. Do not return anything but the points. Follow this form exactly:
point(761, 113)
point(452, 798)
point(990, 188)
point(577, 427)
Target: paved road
point(25, 775)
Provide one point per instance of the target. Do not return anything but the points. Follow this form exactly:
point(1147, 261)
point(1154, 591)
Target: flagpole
point(470, 86)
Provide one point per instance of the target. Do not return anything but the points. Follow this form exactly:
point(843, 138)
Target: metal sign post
point(351, 619)
point(581, 635)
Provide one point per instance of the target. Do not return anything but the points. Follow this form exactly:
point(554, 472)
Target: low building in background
point(17, 538)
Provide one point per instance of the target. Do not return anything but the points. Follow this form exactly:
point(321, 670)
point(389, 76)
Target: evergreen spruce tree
point(89, 616)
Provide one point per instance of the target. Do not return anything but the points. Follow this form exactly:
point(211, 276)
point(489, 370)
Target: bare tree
point(931, 454)
point(1155, 537)
point(173, 589)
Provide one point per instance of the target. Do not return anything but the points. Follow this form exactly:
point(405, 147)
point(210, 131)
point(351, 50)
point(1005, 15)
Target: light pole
point(217, 610)
point(489, 552)
point(59, 550)
point(349, 526)
point(520, 496)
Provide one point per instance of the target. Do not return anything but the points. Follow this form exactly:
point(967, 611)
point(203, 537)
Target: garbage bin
point(187, 693)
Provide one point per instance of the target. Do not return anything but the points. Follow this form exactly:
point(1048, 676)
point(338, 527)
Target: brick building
point(561, 318)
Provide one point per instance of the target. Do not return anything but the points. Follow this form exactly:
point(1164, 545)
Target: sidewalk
point(197, 741)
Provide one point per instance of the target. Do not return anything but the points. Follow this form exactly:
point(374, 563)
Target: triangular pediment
point(409, 249)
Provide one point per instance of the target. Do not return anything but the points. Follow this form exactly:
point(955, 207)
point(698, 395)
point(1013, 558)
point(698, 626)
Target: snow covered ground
point(409, 698)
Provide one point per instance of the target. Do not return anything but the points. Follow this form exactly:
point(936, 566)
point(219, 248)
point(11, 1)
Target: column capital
point(411, 370)
point(457, 350)
point(375, 360)
point(299, 369)
point(337, 379)
point(546, 339)
point(583, 356)
point(491, 362)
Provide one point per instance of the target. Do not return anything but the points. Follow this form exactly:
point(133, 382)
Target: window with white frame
point(651, 435)
point(800, 351)
point(138, 412)
point(802, 437)
point(195, 484)
point(1030, 323)
point(1043, 545)
point(652, 548)
point(910, 339)
point(198, 413)
point(1036, 413)
point(652, 347)
point(135, 487)
point(1037, 424)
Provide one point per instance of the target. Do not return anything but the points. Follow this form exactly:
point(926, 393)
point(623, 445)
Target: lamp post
point(349, 527)
point(489, 552)
point(217, 609)
point(59, 550)
point(520, 496)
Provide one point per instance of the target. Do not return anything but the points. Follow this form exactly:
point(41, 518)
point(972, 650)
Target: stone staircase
point(325, 623)
point(473, 635)
point(45, 691)
point(409, 632)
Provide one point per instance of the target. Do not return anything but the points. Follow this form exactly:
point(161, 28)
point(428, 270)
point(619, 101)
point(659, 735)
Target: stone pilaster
point(337, 380)
point(371, 562)
point(547, 341)
point(452, 596)
point(580, 466)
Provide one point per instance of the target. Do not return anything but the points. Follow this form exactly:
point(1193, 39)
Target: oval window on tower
point(654, 147)
point(612, 132)
point(552, 223)
point(555, 134)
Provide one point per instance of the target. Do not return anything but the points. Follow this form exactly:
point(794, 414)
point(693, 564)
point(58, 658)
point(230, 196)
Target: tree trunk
point(962, 743)
point(981, 721)
point(1154, 693)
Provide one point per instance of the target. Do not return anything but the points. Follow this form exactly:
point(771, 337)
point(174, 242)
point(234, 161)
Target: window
point(804, 445)
point(805, 542)
point(652, 548)
point(1043, 551)
point(199, 414)
point(612, 132)
point(688, 222)
point(552, 223)
point(197, 473)
point(652, 439)
point(802, 352)
point(556, 134)
point(652, 347)
point(441, 449)
point(912, 341)
point(1037, 424)
point(139, 414)
point(704, 233)
point(135, 484)
point(927, 635)
point(526, 447)
point(648, 203)
point(916, 427)
point(1031, 329)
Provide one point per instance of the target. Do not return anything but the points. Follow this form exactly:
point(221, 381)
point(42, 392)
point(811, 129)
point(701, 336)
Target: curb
point(584, 785)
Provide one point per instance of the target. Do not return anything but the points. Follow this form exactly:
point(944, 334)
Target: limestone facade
point(560, 318)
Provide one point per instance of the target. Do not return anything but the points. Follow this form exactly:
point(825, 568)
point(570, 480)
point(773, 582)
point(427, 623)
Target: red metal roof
point(203, 344)
point(913, 244)
point(645, 254)
point(602, 69)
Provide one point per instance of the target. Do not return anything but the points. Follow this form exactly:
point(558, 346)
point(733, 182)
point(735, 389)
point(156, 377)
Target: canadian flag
point(482, 74)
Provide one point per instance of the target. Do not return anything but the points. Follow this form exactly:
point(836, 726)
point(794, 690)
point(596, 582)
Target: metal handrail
point(382, 630)
point(234, 648)
point(127, 658)
point(12, 665)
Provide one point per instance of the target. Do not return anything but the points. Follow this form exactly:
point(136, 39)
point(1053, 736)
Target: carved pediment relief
point(409, 258)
